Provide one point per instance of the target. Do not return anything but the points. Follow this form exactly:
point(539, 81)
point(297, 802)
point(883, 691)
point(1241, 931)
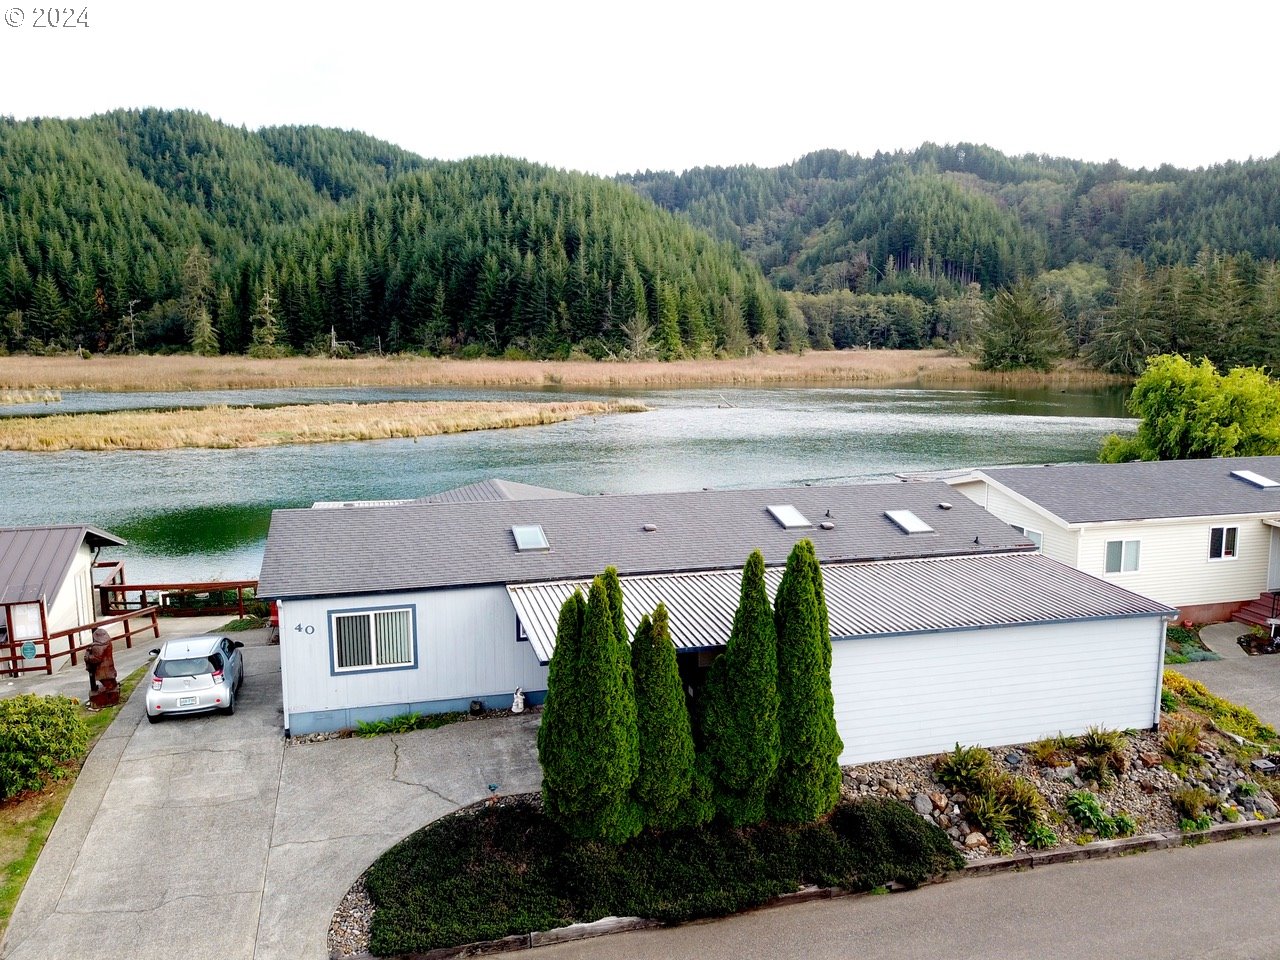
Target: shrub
point(988, 811)
point(740, 712)
point(1125, 825)
point(1181, 742)
point(1025, 803)
point(806, 784)
point(1192, 802)
point(890, 842)
point(38, 736)
point(1040, 836)
point(1001, 840)
point(1189, 825)
point(1054, 751)
point(1168, 701)
point(1103, 756)
point(963, 768)
point(1085, 809)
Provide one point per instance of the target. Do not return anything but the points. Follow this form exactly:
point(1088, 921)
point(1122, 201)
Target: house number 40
point(308, 629)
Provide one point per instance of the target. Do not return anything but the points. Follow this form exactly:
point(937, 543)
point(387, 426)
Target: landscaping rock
point(939, 801)
point(1265, 805)
point(922, 803)
point(975, 840)
point(1150, 759)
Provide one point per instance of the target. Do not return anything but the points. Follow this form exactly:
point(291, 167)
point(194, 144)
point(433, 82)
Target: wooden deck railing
point(14, 664)
point(168, 597)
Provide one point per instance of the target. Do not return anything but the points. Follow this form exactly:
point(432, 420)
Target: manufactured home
point(1201, 535)
point(946, 624)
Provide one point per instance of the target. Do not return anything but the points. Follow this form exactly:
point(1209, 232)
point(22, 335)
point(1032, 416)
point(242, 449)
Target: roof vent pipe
point(944, 506)
point(649, 527)
point(827, 525)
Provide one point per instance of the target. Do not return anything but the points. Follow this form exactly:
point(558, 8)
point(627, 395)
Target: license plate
point(186, 701)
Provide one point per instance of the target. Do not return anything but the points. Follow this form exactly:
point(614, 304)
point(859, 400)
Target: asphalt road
point(1214, 902)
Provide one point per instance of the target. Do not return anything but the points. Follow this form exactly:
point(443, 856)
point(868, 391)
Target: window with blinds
point(368, 641)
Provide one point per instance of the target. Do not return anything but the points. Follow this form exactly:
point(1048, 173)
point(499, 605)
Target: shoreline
point(176, 373)
point(222, 427)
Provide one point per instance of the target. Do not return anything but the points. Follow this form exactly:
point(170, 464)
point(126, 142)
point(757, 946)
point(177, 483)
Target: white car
point(195, 675)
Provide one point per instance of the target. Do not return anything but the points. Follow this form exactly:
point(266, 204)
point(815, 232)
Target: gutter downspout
point(284, 672)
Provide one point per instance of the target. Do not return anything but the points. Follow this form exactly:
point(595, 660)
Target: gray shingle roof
point(424, 546)
point(494, 489)
point(863, 599)
point(34, 560)
point(1094, 492)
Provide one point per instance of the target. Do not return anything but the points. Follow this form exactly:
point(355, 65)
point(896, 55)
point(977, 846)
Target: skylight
point(789, 517)
point(1257, 479)
point(530, 537)
point(908, 521)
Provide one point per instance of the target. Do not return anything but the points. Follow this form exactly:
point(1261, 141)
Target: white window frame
point(1130, 549)
point(1234, 531)
point(1035, 536)
point(371, 613)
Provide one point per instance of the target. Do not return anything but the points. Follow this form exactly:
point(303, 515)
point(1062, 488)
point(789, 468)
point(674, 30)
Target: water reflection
point(204, 513)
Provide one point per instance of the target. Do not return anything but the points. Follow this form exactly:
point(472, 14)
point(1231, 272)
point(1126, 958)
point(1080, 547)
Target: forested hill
point(211, 231)
point(930, 221)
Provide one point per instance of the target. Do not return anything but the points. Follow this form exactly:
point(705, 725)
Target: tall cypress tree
point(613, 587)
point(806, 785)
point(583, 743)
point(665, 781)
point(740, 719)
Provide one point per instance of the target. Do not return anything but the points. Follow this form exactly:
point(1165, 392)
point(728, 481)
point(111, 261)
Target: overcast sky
point(606, 87)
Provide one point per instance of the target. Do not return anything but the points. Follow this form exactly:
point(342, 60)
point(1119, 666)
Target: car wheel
point(230, 708)
point(153, 718)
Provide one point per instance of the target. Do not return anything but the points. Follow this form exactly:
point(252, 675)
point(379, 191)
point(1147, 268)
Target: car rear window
point(193, 667)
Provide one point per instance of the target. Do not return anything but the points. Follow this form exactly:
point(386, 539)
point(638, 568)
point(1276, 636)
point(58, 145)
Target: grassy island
point(224, 427)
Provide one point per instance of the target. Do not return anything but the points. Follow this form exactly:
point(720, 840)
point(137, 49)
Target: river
point(203, 514)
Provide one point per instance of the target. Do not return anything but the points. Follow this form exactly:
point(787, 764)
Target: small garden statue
point(100, 661)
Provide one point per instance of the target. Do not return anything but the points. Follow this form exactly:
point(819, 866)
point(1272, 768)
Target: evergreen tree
point(806, 786)
point(582, 740)
point(1022, 329)
point(196, 285)
point(265, 327)
point(627, 702)
point(204, 339)
point(47, 320)
point(740, 716)
point(664, 786)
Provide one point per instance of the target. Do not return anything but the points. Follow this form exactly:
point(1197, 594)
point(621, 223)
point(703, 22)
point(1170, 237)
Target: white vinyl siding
point(1057, 542)
point(912, 695)
point(1223, 543)
point(370, 640)
point(466, 647)
point(1035, 536)
point(1176, 568)
point(1123, 556)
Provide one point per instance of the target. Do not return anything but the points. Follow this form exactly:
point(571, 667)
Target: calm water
point(199, 514)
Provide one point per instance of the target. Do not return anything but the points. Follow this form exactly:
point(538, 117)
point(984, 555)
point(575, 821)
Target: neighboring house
point(947, 626)
point(46, 585)
point(1201, 535)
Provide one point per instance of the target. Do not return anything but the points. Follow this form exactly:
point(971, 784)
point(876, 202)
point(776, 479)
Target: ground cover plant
point(1183, 645)
point(502, 869)
point(1228, 716)
point(404, 722)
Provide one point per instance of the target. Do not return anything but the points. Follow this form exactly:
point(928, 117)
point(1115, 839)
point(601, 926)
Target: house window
point(372, 639)
point(1122, 555)
point(1222, 542)
point(1035, 536)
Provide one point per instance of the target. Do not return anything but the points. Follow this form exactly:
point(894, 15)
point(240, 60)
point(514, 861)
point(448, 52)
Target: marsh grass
point(174, 373)
point(13, 397)
point(223, 427)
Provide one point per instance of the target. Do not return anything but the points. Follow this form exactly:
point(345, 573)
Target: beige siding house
point(1201, 535)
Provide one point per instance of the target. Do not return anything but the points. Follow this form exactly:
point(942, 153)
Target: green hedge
point(495, 871)
point(38, 736)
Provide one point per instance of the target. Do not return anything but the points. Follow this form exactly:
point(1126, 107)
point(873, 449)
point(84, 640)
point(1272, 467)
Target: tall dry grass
point(13, 397)
point(224, 427)
point(133, 373)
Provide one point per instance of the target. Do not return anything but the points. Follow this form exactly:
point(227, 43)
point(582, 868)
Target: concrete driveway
point(1253, 682)
point(211, 837)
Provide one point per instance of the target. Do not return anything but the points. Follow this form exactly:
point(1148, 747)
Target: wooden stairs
point(1256, 612)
